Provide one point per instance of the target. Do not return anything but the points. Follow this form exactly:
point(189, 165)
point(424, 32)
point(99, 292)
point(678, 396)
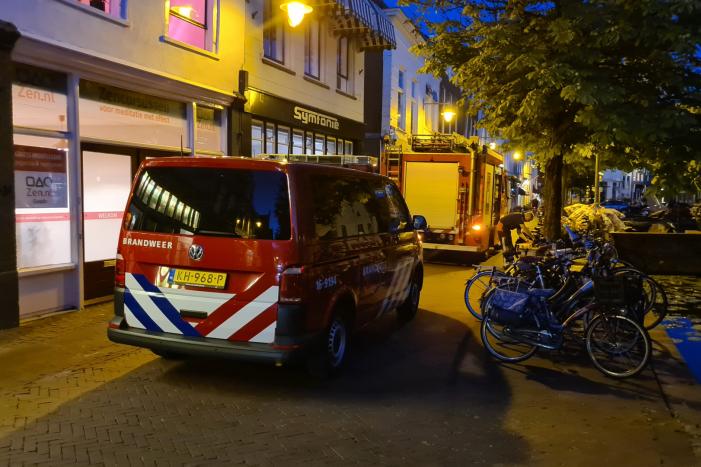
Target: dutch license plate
point(215, 280)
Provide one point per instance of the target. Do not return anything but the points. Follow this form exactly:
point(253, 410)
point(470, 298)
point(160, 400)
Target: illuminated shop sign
point(309, 116)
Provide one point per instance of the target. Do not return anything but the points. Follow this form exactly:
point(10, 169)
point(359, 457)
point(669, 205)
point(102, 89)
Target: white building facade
point(405, 101)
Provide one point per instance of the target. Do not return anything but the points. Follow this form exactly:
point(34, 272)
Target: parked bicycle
point(516, 323)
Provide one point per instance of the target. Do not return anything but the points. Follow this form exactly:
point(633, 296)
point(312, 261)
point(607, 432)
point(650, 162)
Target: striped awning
point(359, 18)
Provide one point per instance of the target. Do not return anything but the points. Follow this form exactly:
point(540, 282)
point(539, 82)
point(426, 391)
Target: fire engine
point(458, 185)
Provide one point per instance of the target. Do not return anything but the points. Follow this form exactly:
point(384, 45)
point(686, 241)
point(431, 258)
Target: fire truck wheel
point(407, 310)
point(331, 356)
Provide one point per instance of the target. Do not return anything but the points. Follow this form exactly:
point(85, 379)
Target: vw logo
point(196, 252)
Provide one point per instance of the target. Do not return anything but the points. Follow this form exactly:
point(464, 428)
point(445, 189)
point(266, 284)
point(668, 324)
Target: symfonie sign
point(307, 116)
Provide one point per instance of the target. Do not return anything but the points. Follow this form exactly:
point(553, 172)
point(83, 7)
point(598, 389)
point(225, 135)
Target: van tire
point(331, 355)
point(407, 310)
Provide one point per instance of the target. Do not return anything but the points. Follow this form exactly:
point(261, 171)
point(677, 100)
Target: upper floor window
point(273, 32)
point(401, 102)
point(312, 49)
point(192, 22)
point(343, 82)
point(111, 7)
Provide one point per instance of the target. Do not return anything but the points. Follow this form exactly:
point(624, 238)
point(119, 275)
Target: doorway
point(108, 172)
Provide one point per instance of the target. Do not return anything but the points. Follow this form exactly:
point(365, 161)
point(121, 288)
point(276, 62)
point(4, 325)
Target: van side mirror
point(420, 223)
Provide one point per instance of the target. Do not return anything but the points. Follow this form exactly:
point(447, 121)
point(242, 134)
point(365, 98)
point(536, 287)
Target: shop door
point(106, 182)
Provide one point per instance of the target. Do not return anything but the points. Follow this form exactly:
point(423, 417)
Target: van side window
point(399, 217)
point(344, 207)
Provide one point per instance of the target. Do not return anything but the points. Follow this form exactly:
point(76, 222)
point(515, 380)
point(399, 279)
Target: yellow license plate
point(215, 280)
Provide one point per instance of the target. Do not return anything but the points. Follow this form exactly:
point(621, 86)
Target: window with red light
point(190, 22)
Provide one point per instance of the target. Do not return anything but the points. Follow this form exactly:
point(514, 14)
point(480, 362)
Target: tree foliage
point(568, 79)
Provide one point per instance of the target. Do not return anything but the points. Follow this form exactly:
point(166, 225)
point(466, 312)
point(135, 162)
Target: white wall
point(294, 87)
point(403, 59)
point(135, 42)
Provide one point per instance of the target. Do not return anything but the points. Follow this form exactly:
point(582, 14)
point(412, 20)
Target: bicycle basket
point(508, 307)
point(618, 291)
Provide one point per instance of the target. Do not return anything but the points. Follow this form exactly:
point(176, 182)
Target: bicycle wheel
point(653, 307)
point(617, 345)
point(476, 288)
point(498, 343)
point(658, 308)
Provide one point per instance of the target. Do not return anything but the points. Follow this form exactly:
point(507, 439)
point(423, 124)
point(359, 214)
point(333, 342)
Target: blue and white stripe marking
point(157, 309)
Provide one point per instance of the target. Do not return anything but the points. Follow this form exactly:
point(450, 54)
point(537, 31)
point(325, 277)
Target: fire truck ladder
point(393, 162)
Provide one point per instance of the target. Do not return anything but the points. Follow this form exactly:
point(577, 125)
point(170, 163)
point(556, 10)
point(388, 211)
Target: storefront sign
point(113, 114)
point(309, 116)
point(34, 107)
point(40, 178)
point(271, 108)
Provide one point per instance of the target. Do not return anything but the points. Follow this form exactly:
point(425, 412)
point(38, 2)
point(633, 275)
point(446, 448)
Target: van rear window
point(206, 201)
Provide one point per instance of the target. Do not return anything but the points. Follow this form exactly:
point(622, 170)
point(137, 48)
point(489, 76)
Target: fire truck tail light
point(291, 285)
point(119, 271)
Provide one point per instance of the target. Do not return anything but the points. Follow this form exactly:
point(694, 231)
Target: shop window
point(111, 7)
point(283, 140)
point(273, 32)
point(209, 130)
point(340, 147)
point(319, 144)
point(297, 142)
point(312, 49)
point(349, 147)
point(257, 142)
point(193, 22)
point(309, 143)
point(269, 138)
point(42, 211)
point(330, 145)
point(343, 82)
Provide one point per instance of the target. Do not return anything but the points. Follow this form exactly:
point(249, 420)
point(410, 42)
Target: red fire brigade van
point(261, 260)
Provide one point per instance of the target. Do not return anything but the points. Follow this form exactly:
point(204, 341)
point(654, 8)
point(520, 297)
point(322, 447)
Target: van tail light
point(119, 272)
point(292, 285)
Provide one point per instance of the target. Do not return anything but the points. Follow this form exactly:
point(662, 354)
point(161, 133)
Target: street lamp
point(448, 115)
point(517, 156)
point(295, 12)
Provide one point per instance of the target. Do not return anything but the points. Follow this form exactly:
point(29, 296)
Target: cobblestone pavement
point(422, 394)
point(683, 294)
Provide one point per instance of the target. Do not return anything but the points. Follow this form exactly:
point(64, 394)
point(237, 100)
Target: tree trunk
point(552, 198)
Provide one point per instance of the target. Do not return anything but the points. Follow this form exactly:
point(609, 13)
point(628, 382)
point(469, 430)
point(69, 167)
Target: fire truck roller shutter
point(431, 189)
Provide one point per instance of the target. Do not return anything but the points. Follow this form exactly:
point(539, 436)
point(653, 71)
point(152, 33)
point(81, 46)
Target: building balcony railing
point(362, 19)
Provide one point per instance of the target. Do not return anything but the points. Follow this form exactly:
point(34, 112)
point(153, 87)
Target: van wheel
point(407, 310)
point(330, 358)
